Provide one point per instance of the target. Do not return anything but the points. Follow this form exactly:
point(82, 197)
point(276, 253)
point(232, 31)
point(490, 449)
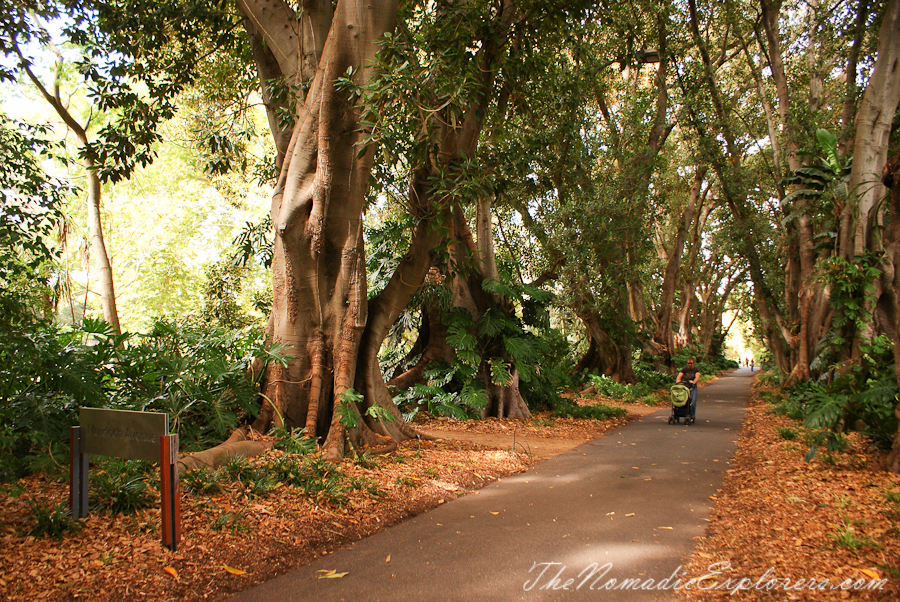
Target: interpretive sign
point(123, 433)
point(133, 436)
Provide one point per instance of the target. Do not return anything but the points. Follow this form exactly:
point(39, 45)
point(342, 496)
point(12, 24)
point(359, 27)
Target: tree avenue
point(517, 194)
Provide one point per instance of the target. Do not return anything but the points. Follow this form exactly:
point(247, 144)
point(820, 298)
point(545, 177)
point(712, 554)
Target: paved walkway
point(627, 505)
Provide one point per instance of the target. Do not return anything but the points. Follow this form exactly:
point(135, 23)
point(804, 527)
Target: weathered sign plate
point(123, 433)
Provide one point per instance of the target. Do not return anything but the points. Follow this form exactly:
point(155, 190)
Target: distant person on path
point(690, 376)
point(751, 365)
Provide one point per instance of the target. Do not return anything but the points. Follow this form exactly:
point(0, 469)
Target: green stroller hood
point(680, 395)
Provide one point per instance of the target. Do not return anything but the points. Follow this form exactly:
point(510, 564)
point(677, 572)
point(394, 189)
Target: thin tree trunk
point(105, 286)
point(485, 233)
point(664, 335)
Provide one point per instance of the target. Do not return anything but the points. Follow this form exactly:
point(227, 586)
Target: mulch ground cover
point(240, 536)
point(787, 529)
point(821, 524)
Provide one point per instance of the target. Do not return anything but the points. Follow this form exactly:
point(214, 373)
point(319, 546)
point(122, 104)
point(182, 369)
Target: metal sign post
point(171, 501)
point(78, 474)
point(132, 436)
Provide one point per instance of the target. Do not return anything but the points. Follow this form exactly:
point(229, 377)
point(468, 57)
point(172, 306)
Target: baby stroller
point(681, 407)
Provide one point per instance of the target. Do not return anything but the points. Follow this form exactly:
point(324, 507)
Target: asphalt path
point(612, 519)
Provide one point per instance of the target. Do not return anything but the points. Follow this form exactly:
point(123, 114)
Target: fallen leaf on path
point(171, 570)
point(870, 573)
point(332, 574)
point(388, 559)
point(233, 571)
point(669, 528)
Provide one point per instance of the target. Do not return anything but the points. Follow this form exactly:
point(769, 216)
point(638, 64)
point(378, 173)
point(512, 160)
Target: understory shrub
point(307, 472)
point(787, 433)
point(614, 390)
point(861, 399)
point(51, 520)
point(542, 390)
point(782, 405)
point(46, 374)
point(512, 337)
point(597, 412)
point(202, 481)
point(607, 387)
point(124, 486)
point(199, 375)
point(648, 375)
point(448, 391)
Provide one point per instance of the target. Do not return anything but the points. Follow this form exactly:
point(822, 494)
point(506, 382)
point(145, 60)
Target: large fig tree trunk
point(860, 220)
point(607, 355)
point(504, 399)
point(455, 144)
point(320, 310)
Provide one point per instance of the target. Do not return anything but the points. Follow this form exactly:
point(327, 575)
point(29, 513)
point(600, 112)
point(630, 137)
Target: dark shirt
point(687, 375)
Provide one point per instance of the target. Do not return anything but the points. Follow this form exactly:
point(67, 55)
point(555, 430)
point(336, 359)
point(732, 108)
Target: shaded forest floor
point(832, 519)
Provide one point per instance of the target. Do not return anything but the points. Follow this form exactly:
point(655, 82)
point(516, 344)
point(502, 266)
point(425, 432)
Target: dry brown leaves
point(774, 511)
point(779, 517)
point(121, 557)
point(231, 542)
point(541, 426)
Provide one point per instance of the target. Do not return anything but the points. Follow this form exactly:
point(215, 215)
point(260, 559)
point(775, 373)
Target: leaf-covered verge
point(833, 519)
point(289, 507)
point(113, 557)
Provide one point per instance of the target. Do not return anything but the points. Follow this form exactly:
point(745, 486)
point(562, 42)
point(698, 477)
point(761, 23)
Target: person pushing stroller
point(690, 377)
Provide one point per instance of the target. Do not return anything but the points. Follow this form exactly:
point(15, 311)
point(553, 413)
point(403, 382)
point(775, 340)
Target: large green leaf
point(829, 145)
point(494, 321)
point(461, 339)
point(500, 372)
